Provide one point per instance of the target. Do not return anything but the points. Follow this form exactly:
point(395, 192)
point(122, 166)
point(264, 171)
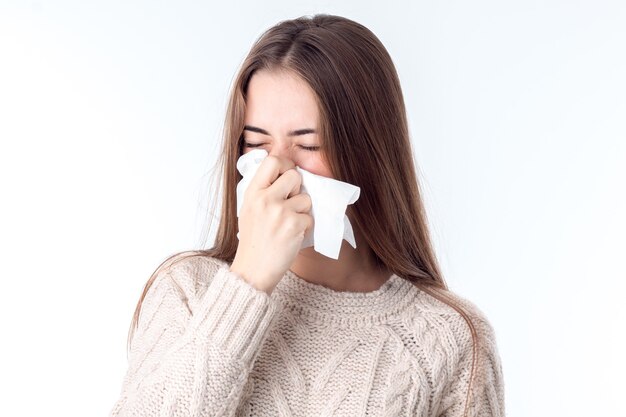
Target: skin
point(281, 102)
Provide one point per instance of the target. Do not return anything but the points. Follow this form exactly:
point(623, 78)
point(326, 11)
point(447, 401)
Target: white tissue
point(329, 200)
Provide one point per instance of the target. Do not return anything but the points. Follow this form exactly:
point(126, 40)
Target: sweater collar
point(344, 307)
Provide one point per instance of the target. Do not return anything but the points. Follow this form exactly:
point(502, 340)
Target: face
point(282, 118)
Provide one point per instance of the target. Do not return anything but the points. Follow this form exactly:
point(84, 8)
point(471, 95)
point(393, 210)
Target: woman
point(256, 326)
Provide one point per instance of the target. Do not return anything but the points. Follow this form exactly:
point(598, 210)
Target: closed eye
point(306, 148)
point(309, 148)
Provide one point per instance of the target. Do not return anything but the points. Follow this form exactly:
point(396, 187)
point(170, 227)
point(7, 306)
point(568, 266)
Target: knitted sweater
point(208, 343)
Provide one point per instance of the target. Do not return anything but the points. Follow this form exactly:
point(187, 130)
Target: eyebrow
point(297, 132)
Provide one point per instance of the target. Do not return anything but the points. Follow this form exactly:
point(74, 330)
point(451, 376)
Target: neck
point(353, 271)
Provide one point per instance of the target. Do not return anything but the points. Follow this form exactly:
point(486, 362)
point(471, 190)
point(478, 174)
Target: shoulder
point(189, 273)
point(453, 317)
point(169, 297)
point(463, 342)
point(458, 334)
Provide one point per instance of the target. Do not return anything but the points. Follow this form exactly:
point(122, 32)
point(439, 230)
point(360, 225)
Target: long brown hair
point(364, 138)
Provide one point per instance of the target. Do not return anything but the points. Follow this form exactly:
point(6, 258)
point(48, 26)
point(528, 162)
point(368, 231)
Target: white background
point(110, 116)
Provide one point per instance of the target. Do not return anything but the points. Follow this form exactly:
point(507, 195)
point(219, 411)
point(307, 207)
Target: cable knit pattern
point(210, 344)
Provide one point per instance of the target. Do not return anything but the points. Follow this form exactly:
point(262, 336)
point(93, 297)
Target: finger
point(269, 170)
point(300, 203)
point(306, 222)
point(287, 185)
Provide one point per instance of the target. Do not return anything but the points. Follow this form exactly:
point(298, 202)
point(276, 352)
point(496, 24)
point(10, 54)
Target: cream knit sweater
point(210, 344)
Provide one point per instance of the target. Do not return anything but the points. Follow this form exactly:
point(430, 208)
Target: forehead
point(280, 98)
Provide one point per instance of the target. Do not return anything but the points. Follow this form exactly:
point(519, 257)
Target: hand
point(273, 221)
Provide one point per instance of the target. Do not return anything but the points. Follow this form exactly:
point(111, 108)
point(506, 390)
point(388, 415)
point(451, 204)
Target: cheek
point(315, 165)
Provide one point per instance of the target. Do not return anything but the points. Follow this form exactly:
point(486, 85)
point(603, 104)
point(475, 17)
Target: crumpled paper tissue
point(329, 201)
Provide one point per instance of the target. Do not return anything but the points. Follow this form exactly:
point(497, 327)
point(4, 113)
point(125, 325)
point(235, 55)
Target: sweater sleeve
point(486, 397)
point(193, 350)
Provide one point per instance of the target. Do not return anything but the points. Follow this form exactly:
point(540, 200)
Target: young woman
point(256, 326)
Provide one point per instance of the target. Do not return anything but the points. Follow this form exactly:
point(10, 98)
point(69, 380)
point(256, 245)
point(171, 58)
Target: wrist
point(254, 279)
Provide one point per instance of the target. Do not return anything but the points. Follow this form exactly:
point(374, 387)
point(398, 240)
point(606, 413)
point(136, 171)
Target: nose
point(280, 149)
